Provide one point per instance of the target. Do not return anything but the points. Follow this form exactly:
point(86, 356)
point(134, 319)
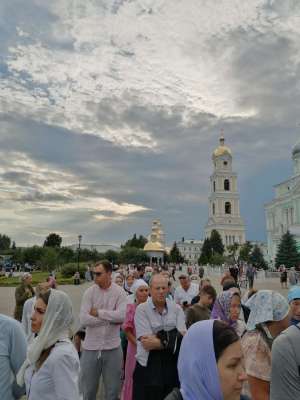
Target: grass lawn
point(37, 277)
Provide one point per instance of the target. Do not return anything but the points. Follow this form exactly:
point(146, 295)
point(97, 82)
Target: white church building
point(283, 213)
point(224, 199)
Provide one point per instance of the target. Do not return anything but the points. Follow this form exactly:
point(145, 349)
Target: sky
point(110, 111)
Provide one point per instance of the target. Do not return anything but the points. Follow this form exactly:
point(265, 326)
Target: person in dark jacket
point(210, 364)
point(23, 292)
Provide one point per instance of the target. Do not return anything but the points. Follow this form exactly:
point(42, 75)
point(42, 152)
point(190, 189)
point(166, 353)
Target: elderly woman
point(23, 292)
point(51, 368)
point(210, 364)
point(141, 292)
point(294, 302)
point(227, 308)
point(269, 316)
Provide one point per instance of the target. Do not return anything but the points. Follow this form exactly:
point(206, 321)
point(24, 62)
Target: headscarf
point(221, 308)
point(266, 305)
point(137, 284)
point(126, 287)
point(197, 366)
point(57, 325)
point(294, 293)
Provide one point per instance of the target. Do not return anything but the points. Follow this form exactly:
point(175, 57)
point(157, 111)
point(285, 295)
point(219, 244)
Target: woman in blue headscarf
point(210, 364)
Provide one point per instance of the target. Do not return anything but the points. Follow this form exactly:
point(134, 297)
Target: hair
point(223, 337)
point(153, 277)
point(41, 288)
point(251, 293)
point(229, 283)
point(105, 264)
point(45, 296)
point(210, 291)
point(204, 280)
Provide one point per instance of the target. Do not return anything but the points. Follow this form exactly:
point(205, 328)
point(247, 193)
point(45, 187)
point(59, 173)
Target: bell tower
point(224, 199)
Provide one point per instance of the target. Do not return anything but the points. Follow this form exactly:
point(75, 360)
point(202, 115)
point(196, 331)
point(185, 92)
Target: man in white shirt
point(160, 324)
point(185, 293)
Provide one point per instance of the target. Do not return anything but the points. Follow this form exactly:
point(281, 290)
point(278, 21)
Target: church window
point(227, 207)
point(226, 184)
point(214, 186)
point(213, 208)
point(225, 163)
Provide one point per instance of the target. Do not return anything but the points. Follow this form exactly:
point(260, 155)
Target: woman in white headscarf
point(51, 368)
point(140, 292)
point(269, 316)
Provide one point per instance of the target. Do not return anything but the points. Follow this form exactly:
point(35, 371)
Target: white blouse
point(57, 379)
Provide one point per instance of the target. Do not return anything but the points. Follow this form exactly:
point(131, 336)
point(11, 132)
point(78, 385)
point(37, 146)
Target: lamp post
point(79, 243)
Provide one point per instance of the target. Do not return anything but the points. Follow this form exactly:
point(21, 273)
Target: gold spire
point(222, 149)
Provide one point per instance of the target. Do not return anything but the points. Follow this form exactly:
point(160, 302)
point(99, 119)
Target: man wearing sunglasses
point(102, 312)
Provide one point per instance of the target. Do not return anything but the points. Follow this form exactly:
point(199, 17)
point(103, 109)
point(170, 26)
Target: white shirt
point(148, 321)
point(181, 295)
point(57, 378)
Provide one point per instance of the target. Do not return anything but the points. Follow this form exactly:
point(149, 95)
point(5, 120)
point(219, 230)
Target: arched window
point(226, 184)
point(214, 186)
point(213, 208)
point(227, 207)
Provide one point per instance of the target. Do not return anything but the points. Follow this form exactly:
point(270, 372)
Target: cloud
point(110, 111)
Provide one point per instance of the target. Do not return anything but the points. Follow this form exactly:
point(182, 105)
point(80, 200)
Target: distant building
point(283, 213)
point(224, 199)
point(190, 249)
point(100, 248)
point(155, 247)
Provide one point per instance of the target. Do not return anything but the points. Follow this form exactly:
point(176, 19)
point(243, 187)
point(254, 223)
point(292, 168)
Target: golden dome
point(153, 246)
point(222, 149)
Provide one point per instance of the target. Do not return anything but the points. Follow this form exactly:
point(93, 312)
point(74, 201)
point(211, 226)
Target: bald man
point(160, 325)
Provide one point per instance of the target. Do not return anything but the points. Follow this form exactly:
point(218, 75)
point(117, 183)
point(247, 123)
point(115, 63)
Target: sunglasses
point(98, 273)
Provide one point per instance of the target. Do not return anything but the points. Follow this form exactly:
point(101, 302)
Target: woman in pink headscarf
point(141, 291)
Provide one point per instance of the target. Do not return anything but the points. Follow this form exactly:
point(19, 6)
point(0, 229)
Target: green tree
point(112, 256)
point(138, 242)
point(4, 242)
point(245, 251)
point(53, 240)
point(13, 246)
point(287, 252)
point(257, 258)
point(49, 259)
point(66, 255)
point(216, 242)
point(232, 250)
point(217, 259)
point(132, 255)
point(18, 256)
point(206, 252)
point(33, 255)
point(175, 255)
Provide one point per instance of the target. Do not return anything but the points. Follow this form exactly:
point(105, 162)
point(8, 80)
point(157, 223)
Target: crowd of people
point(141, 337)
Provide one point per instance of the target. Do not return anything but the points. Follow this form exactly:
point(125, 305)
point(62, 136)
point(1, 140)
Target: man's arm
point(116, 316)
point(86, 319)
point(144, 331)
point(180, 321)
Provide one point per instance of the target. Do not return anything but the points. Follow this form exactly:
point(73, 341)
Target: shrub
point(68, 270)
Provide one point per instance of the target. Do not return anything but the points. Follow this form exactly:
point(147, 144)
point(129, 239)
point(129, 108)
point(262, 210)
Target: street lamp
point(79, 243)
